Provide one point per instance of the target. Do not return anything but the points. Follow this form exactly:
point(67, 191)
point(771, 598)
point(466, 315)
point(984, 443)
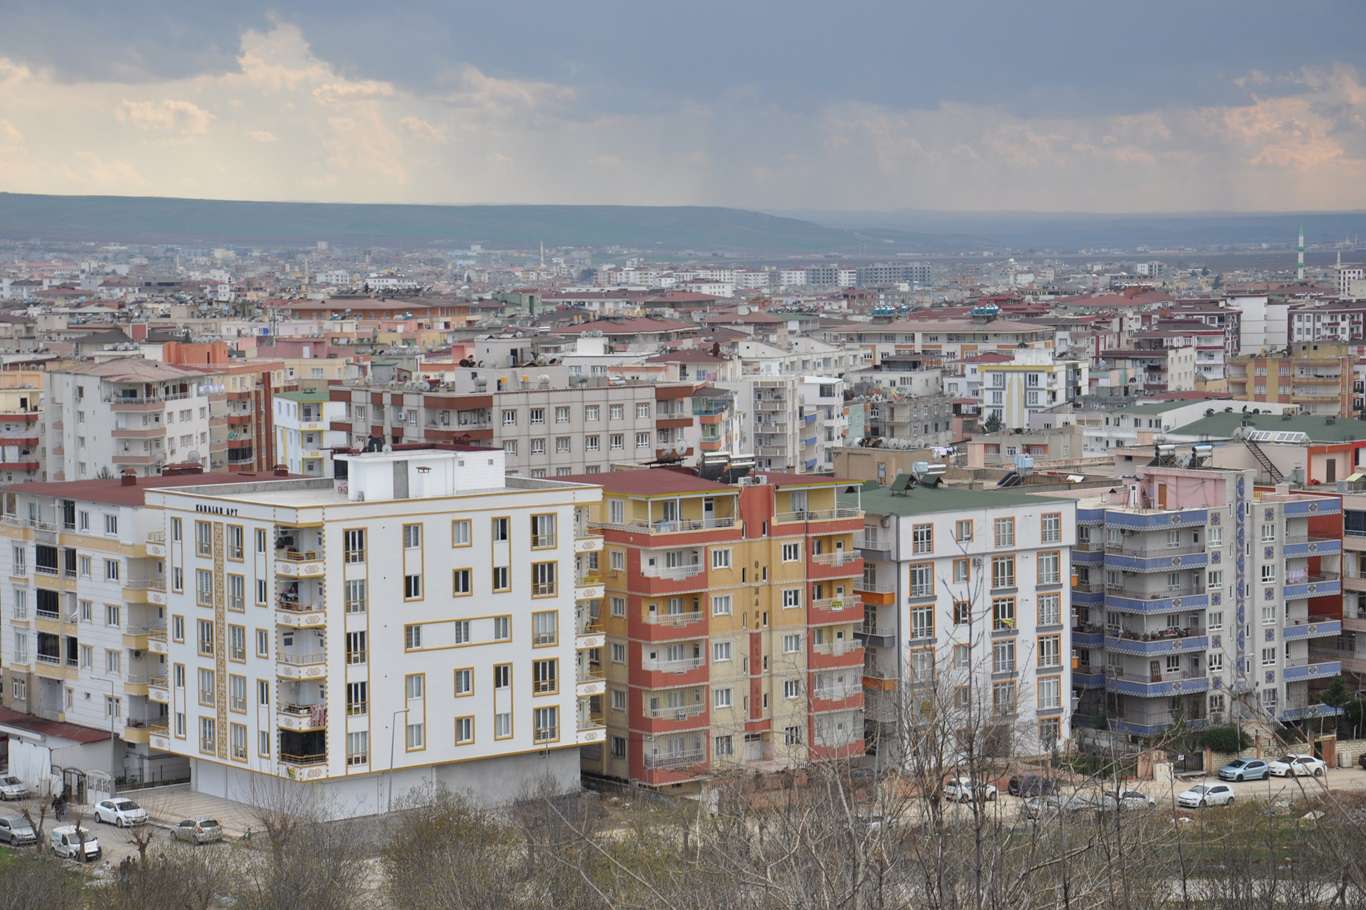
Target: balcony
point(839, 564)
point(674, 760)
point(834, 655)
point(136, 405)
point(296, 615)
point(1154, 559)
point(836, 698)
point(152, 432)
point(818, 515)
point(831, 610)
point(135, 459)
point(1312, 628)
point(592, 728)
point(299, 563)
point(1155, 602)
point(158, 690)
point(589, 679)
point(588, 631)
point(1153, 644)
point(311, 766)
point(301, 666)
point(674, 718)
point(1157, 685)
point(156, 543)
point(1300, 669)
point(159, 737)
point(302, 718)
point(1297, 545)
point(156, 641)
point(1301, 587)
point(586, 541)
point(672, 526)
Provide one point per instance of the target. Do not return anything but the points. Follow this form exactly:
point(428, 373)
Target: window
point(962, 571)
point(592, 443)
point(1216, 620)
point(592, 412)
point(111, 570)
point(412, 637)
point(502, 578)
point(1050, 609)
point(962, 612)
point(502, 628)
point(792, 688)
point(1002, 614)
point(261, 592)
point(237, 593)
point(618, 700)
point(412, 587)
point(720, 605)
point(922, 539)
point(260, 536)
point(1051, 527)
point(1268, 573)
point(545, 676)
point(87, 657)
point(1268, 614)
point(792, 597)
point(509, 417)
point(1003, 571)
point(208, 742)
point(502, 725)
point(357, 747)
point(618, 606)
point(922, 622)
point(237, 643)
point(543, 579)
point(792, 736)
point(112, 661)
point(464, 730)
point(720, 559)
point(1268, 657)
point(562, 414)
point(792, 552)
point(1050, 693)
point(1214, 579)
point(922, 580)
point(237, 694)
point(720, 698)
point(355, 595)
point(412, 536)
point(618, 653)
point(616, 442)
point(205, 638)
point(537, 415)
point(545, 628)
point(720, 651)
point(1048, 568)
point(207, 693)
point(460, 583)
point(262, 643)
point(177, 628)
point(203, 538)
point(538, 446)
point(642, 410)
point(642, 440)
point(355, 647)
point(263, 692)
point(1003, 656)
point(792, 643)
point(464, 682)
point(86, 566)
point(616, 412)
point(1216, 661)
point(962, 530)
point(1005, 532)
point(353, 544)
point(502, 676)
point(510, 447)
point(112, 615)
point(203, 587)
point(546, 724)
point(111, 524)
point(725, 747)
point(1214, 535)
point(1050, 652)
point(460, 532)
point(236, 542)
point(415, 735)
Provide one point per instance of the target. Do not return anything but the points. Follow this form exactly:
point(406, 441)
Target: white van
point(66, 843)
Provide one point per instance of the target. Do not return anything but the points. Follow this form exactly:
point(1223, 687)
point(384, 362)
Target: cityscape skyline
point(544, 106)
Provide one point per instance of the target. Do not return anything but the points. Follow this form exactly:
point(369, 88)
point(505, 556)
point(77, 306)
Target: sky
point(973, 105)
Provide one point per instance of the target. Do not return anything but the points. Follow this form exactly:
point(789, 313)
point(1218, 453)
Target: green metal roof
point(925, 500)
point(312, 396)
point(1318, 429)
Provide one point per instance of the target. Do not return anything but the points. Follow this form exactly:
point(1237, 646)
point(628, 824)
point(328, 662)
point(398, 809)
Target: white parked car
point(66, 842)
point(122, 813)
point(1202, 795)
point(1297, 766)
point(12, 787)
point(962, 790)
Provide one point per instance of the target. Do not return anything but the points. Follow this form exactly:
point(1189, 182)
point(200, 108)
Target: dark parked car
point(1362, 761)
point(1031, 785)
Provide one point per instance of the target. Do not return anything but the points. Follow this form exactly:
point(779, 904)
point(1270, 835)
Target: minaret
point(1299, 259)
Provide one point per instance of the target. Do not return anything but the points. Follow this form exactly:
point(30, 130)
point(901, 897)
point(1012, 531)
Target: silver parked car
point(16, 831)
point(198, 831)
point(12, 787)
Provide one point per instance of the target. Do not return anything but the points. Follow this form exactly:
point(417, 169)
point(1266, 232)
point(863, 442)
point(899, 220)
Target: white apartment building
point(969, 591)
point(411, 624)
point(1351, 282)
point(83, 616)
point(124, 414)
point(1031, 384)
point(304, 439)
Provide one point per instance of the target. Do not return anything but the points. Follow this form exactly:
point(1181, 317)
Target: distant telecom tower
point(1299, 257)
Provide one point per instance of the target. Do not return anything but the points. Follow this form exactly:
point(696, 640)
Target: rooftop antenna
point(1299, 259)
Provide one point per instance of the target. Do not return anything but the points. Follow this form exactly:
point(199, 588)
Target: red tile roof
point(650, 481)
point(113, 492)
point(51, 728)
point(638, 326)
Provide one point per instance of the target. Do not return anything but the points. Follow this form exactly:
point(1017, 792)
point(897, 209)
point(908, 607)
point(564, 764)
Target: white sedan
point(12, 787)
point(1297, 766)
point(1202, 795)
point(962, 790)
point(122, 813)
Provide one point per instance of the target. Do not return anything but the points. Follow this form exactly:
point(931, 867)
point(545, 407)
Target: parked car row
point(1054, 804)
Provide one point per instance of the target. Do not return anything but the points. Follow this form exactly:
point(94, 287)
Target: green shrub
point(1228, 739)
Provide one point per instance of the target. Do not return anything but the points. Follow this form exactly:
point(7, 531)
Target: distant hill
point(667, 229)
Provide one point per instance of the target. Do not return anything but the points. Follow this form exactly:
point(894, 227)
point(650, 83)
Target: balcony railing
point(817, 515)
point(302, 660)
point(1149, 678)
point(681, 665)
point(837, 558)
point(672, 526)
point(674, 619)
point(675, 573)
point(298, 555)
point(1158, 635)
point(316, 758)
point(664, 760)
point(834, 693)
point(675, 712)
